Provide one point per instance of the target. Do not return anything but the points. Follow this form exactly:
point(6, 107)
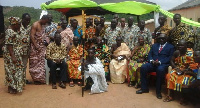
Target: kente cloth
point(129, 35)
point(14, 73)
point(51, 29)
point(181, 32)
point(90, 32)
point(111, 35)
point(75, 55)
point(140, 52)
point(103, 54)
point(67, 37)
point(146, 34)
point(103, 31)
point(175, 81)
point(37, 58)
point(97, 73)
point(54, 51)
point(118, 68)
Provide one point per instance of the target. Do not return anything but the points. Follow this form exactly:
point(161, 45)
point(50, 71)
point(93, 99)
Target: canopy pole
point(83, 42)
point(138, 19)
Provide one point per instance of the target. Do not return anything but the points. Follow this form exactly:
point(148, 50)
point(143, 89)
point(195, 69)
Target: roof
point(187, 4)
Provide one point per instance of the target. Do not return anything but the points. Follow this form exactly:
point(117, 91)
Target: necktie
point(161, 47)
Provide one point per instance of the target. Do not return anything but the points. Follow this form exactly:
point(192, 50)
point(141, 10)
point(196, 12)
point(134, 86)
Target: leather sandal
point(168, 99)
point(54, 86)
point(62, 85)
point(79, 83)
point(71, 84)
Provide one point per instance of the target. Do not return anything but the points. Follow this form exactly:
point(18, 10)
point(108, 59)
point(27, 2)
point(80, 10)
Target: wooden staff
point(83, 41)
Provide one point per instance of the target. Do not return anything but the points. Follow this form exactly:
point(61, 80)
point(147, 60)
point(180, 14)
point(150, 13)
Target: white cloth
point(97, 73)
point(156, 16)
point(44, 12)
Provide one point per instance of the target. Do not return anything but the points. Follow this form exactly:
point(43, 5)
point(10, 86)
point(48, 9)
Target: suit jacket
point(164, 56)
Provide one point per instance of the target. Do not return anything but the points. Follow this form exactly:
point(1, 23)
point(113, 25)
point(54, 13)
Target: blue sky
point(165, 4)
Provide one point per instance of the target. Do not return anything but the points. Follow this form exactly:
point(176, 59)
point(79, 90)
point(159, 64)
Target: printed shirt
point(90, 32)
point(146, 34)
point(129, 35)
point(54, 51)
point(51, 30)
point(111, 35)
point(25, 36)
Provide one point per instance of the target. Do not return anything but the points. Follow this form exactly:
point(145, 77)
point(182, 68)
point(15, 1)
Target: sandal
point(62, 85)
point(168, 99)
point(136, 86)
point(54, 86)
point(71, 84)
point(79, 83)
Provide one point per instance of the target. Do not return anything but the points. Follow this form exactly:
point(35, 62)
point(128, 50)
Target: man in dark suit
point(158, 61)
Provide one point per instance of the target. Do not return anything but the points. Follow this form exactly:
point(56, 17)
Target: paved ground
point(42, 96)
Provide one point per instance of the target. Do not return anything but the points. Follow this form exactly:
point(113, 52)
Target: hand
point(157, 63)
point(14, 60)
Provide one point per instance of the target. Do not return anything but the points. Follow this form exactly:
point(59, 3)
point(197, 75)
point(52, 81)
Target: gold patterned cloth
point(181, 32)
point(54, 51)
point(118, 68)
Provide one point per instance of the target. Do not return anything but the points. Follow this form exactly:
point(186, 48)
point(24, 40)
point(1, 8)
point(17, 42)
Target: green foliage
point(17, 11)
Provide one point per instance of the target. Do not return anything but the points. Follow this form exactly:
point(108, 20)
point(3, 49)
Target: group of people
point(118, 52)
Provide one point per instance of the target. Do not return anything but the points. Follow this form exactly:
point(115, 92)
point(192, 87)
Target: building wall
point(190, 13)
point(150, 26)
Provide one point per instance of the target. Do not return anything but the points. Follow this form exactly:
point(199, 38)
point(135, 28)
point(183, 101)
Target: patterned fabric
point(181, 32)
point(140, 52)
point(123, 32)
point(146, 34)
point(75, 55)
point(37, 58)
point(54, 51)
point(118, 68)
point(51, 29)
point(78, 32)
point(67, 37)
point(111, 35)
point(175, 82)
point(103, 31)
point(164, 29)
point(103, 54)
point(14, 73)
point(25, 35)
point(14, 20)
point(90, 32)
point(197, 39)
point(129, 35)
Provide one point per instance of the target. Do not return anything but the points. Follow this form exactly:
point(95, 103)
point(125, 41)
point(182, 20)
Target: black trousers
point(63, 70)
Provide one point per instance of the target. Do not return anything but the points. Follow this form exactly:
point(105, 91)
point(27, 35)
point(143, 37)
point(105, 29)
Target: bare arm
point(172, 61)
point(33, 31)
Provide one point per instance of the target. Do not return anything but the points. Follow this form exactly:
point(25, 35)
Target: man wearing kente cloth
point(75, 54)
point(102, 53)
point(180, 32)
point(89, 35)
point(118, 65)
point(164, 28)
point(182, 63)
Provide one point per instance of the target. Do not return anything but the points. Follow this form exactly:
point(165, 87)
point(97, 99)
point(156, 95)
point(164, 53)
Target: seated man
point(158, 61)
point(182, 62)
point(139, 57)
point(75, 54)
point(102, 53)
point(118, 65)
point(94, 69)
point(55, 55)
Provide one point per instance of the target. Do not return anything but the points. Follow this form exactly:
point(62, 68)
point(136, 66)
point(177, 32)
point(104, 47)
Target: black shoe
point(62, 85)
point(142, 91)
point(28, 82)
point(159, 96)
